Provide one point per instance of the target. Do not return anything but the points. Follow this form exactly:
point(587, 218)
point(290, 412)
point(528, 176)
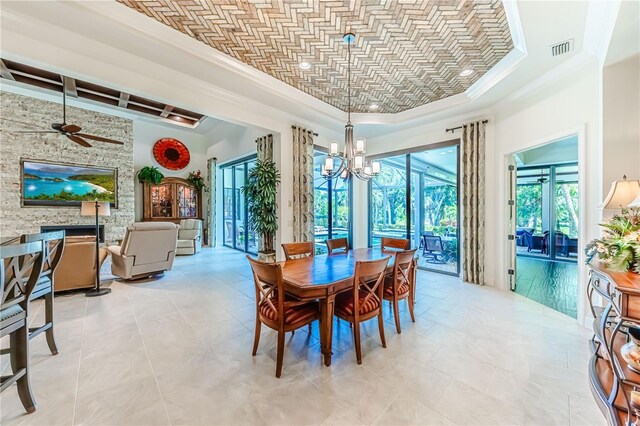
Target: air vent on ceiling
point(562, 48)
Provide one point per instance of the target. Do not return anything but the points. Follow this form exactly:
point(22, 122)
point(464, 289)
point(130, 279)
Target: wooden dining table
point(321, 278)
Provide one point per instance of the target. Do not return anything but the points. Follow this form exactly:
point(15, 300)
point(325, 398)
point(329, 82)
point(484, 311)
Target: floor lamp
point(96, 208)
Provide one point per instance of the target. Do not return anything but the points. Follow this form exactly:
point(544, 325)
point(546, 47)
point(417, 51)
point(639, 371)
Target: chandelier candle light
point(352, 160)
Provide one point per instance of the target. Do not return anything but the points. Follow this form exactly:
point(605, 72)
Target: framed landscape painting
point(59, 184)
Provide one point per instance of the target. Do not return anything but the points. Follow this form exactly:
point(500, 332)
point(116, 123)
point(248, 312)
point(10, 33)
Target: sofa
point(77, 269)
point(189, 237)
point(148, 249)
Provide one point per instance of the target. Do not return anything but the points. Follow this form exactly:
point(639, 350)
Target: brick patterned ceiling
point(407, 53)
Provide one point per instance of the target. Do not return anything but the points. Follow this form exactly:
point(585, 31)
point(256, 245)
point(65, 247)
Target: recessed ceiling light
point(304, 65)
point(466, 73)
point(374, 106)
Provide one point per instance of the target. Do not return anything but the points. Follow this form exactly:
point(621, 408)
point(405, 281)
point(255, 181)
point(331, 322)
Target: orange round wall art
point(171, 154)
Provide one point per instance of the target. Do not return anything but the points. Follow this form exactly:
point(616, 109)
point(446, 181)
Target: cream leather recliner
point(148, 249)
point(189, 236)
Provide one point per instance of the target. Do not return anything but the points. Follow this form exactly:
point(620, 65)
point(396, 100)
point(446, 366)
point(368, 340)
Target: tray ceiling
point(406, 54)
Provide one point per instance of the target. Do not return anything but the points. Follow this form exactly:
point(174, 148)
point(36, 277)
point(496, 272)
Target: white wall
point(569, 105)
point(621, 120)
point(145, 135)
point(232, 142)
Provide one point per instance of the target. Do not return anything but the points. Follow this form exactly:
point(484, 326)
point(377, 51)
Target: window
point(331, 201)
point(547, 211)
point(388, 201)
point(236, 218)
point(416, 197)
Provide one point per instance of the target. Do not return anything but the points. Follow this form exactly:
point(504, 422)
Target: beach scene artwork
point(47, 184)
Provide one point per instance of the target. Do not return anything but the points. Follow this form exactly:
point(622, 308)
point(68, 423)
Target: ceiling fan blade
point(99, 138)
point(71, 128)
point(79, 140)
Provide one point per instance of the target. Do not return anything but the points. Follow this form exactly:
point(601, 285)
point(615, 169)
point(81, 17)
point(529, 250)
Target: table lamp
point(96, 208)
point(622, 194)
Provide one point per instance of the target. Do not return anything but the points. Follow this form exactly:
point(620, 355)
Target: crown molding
point(287, 100)
point(598, 30)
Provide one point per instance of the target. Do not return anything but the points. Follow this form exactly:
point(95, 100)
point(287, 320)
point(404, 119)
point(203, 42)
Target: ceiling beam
point(70, 86)
point(165, 112)
point(4, 71)
point(124, 100)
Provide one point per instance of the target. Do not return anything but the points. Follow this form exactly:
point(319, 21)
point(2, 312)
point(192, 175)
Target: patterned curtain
point(265, 148)
point(473, 187)
point(303, 222)
point(211, 206)
point(265, 152)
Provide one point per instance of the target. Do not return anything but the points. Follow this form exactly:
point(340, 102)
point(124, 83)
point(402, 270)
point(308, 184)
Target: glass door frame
point(244, 162)
point(322, 149)
point(551, 256)
point(407, 153)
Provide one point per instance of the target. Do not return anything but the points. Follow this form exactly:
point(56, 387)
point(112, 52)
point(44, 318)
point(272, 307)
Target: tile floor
point(178, 351)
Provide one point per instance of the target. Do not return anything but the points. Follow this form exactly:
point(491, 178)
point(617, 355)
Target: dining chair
point(395, 243)
point(52, 249)
point(298, 250)
point(337, 245)
point(275, 310)
point(20, 269)
point(399, 285)
point(364, 301)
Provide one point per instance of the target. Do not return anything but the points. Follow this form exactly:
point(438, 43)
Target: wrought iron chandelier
point(352, 160)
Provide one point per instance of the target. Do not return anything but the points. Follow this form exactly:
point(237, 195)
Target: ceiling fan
point(71, 131)
point(542, 179)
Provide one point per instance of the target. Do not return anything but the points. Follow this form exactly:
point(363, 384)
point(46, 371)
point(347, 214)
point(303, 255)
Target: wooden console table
point(610, 378)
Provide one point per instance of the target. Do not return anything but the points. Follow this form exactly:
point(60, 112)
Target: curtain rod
point(453, 129)
point(308, 131)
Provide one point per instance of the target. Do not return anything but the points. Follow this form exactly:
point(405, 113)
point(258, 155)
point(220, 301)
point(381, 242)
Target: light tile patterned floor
point(178, 351)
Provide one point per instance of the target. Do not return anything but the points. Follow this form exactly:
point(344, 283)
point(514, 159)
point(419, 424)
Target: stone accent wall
point(25, 113)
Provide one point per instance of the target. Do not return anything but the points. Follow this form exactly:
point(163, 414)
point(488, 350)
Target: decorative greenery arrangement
point(620, 247)
point(150, 174)
point(261, 189)
point(196, 179)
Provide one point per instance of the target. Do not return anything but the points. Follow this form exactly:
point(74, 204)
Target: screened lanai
point(416, 197)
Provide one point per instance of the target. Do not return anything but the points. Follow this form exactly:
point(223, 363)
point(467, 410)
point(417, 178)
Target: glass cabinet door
point(187, 201)
point(161, 201)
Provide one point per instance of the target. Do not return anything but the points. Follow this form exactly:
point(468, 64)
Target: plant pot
point(268, 257)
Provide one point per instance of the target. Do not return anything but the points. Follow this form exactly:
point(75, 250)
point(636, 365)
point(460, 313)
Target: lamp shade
point(636, 202)
point(89, 208)
point(622, 193)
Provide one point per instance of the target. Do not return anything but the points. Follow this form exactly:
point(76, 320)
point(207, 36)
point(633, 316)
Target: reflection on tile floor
point(177, 350)
point(554, 284)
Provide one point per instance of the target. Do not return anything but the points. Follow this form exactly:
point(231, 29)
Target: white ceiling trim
point(153, 29)
point(156, 30)
point(562, 70)
point(601, 21)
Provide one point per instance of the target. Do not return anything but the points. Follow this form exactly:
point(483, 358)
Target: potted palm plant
point(619, 248)
point(260, 190)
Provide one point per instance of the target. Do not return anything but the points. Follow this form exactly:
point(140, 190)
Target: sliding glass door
point(388, 201)
point(236, 232)
point(416, 197)
point(331, 204)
